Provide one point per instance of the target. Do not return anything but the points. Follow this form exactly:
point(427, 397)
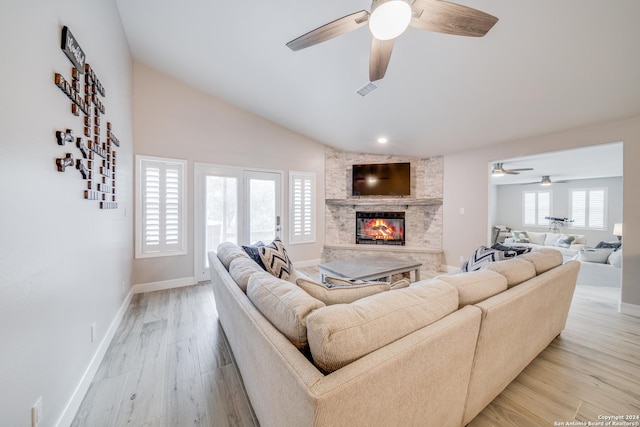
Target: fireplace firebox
point(380, 228)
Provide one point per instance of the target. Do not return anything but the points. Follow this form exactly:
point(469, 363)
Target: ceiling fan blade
point(511, 172)
point(379, 58)
point(451, 18)
point(521, 169)
point(328, 31)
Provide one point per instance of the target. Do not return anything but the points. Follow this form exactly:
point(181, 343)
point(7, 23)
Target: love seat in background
point(434, 353)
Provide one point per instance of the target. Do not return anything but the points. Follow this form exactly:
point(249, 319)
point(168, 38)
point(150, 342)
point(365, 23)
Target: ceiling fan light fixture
point(546, 181)
point(497, 170)
point(389, 18)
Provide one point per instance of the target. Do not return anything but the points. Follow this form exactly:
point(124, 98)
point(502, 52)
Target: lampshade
point(617, 229)
point(389, 18)
point(546, 181)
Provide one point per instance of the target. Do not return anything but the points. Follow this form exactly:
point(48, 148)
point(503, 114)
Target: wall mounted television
point(382, 179)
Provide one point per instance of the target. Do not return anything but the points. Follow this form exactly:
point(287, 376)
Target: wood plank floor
point(169, 365)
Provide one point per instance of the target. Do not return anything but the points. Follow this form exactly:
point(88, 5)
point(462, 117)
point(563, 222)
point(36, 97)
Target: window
point(589, 208)
point(160, 207)
point(536, 207)
point(302, 228)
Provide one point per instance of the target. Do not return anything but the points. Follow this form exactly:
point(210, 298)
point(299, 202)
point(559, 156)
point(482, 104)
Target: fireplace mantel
point(396, 201)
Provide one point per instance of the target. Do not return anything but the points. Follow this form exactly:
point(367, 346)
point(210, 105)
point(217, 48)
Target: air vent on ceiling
point(366, 89)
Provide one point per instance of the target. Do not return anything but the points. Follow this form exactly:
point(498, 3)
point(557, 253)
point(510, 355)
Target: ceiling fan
point(388, 19)
point(499, 170)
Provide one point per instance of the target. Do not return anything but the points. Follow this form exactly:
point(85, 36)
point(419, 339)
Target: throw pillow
point(615, 259)
point(594, 255)
point(565, 241)
point(551, 239)
point(484, 255)
point(519, 250)
point(254, 254)
point(275, 259)
point(609, 245)
point(520, 237)
point(341, 294)
point(537, 238)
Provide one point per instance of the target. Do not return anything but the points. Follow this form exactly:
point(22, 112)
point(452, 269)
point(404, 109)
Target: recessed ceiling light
point(382, 140)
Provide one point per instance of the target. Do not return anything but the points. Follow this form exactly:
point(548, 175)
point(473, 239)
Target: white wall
point(466, 184)
point(175, 120)
point(509, 206)
point(63, 261)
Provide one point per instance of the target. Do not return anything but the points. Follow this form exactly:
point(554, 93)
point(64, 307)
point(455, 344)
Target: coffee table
point(369, 268)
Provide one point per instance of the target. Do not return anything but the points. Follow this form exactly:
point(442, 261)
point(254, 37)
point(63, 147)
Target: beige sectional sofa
point(434, 353)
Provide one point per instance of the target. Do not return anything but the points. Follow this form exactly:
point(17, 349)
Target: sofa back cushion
point(241, 269)
point(537, 238)
point(476, 286)
point(339, 334)
point(515, 270)
point(543, 259)
point(284, 304)
point(341, 294)
point(228, 251)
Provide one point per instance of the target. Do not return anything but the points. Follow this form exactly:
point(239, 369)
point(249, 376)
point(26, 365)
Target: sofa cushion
point(551, 239)
point(284, 304)
point(515, 270)
point(536, 238)
point(544, 259)
point(615, 259)
point(241, 269)
point(519, 236)
point(340, 334)
point(227, 252)
point(341, 294)
point(564, 241)
point(579, 239)
point(254, 253)
point(275, 259)
point(599, 256)
point(609, 245)
point(476, 286)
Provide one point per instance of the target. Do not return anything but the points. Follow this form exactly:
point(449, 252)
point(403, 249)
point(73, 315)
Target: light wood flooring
point(169, 365)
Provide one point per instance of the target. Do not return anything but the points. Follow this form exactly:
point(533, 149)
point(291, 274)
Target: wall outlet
point(36, 413)
point(461, 211)
point(93, 331)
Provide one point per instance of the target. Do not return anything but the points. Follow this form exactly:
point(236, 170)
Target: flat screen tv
point(382, 179)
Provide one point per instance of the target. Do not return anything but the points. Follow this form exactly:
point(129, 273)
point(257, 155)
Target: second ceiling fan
point(388, 19)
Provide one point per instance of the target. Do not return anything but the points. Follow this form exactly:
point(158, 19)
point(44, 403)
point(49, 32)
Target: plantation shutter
point(160, 219)
point(301, 212)
point(589, 208)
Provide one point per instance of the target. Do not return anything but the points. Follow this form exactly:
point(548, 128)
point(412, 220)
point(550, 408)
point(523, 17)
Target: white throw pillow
point(537, 238)
point(615, 259)
point(599, 256)
point(551, 239)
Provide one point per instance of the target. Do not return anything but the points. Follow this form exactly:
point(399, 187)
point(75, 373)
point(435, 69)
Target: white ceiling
point(598, 161)
point(546, 66)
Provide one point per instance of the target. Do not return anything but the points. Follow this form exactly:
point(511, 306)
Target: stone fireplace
point(380, 228)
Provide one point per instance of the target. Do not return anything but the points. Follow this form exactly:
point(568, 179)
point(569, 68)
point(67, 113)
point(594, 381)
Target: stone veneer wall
point(423, 224)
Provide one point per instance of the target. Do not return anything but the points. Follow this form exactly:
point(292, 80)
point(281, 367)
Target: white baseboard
point(630, 309)
point(162, 285)
point(310, 263)
point(81, 390)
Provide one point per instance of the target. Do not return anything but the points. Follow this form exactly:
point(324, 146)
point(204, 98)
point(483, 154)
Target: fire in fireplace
point(380, 228)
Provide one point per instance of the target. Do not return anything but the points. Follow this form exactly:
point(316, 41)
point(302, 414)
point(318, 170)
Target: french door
point(235, 205)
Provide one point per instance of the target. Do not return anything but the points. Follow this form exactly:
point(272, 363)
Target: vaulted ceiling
point(546, 66)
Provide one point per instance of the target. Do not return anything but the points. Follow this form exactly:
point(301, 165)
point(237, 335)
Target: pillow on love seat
point(339, 334)
point(241, 269)
point(284, 304)
point(275, 259)
point(228, 251)
point(476, 286)
point(484, 255)
point(599, 256)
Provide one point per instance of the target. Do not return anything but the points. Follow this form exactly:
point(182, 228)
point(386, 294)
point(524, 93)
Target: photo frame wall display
point(96, 162)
